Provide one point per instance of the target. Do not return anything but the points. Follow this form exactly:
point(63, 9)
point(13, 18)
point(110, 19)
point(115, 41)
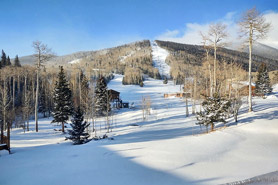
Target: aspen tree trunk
point(214, 71)
point(37, 94)
point(250, 68)
point(210, 81)
point(13, 92)
point(186, 108)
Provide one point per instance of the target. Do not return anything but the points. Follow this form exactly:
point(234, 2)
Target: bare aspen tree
point(252, 26)
point(5, 101)
point(43, 53)
point(207, 48)
point(217, 32)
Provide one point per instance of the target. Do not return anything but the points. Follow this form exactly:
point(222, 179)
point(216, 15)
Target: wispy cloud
point(191, 33)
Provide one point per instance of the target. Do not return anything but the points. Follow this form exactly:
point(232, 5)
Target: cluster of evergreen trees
point(6, 61)
point(63, 105)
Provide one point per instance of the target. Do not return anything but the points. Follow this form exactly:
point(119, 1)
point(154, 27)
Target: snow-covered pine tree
point(78, 134)
point(84, 92)
point(263, 86)
point(102, 104)
point(62, 100)
point(215, 110)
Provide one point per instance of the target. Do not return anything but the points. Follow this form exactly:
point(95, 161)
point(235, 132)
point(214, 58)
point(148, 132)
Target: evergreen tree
point(263, 81)
point(78, 134)
point(215, 110)
point(3, 59)
point(62, 100)
point(102, 104)
point(84, 92)
point(42, 103)
point(17, 62)
point(8, 61)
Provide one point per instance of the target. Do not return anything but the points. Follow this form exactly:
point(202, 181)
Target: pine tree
point(3, 59)
point(84, 92)
point(78, 134)
point(102, 104)
point(215, 110)
point(42, 103)
point(263, 81)
point(8, 63)
point(62, 100)
point(17, 62)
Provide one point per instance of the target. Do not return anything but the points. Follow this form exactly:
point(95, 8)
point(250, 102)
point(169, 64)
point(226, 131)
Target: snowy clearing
point(159, 56)
point(166, 149)
point(76, 61)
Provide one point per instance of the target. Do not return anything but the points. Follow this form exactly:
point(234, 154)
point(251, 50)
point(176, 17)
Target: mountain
point(194, 54)
point(258, 49)
point(136, 52)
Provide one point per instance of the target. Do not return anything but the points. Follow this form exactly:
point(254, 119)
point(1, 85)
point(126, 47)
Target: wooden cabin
point(114, 95)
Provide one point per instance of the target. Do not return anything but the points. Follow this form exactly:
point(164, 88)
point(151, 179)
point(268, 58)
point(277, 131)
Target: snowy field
point(166, 149)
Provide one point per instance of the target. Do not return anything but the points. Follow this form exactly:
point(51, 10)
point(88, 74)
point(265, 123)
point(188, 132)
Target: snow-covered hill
point(165, 149)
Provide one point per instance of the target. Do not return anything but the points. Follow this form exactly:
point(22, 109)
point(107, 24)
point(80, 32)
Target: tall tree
point(3, 59)
point(101, 104)
point(263, 86)
point(62, 100)
point(43, 53)
point(253, 26)
point(17, 62)
point(78, 134)
point(8, 63)
point(217, 32)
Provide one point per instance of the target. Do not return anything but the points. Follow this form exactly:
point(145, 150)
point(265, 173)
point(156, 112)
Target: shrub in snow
point(165, 81)
point(215, 110)
point(78, 134)
point(263, 86)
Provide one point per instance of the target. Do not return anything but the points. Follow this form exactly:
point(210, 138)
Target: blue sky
point(75, 25)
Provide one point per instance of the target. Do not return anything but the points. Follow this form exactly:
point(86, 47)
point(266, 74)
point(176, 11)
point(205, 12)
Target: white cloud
point(272, 37)
point(191, 33)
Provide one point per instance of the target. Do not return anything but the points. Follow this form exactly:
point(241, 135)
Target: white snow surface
point(76, 61)
point(159, 56)
point(166, 149)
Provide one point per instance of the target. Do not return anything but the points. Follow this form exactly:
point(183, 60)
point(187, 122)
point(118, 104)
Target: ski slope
point(159, 56)
point(166, 149)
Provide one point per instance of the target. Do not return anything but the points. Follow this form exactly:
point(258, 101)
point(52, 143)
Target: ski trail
point(159, 56)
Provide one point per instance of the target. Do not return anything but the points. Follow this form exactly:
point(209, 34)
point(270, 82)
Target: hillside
point(194, 54)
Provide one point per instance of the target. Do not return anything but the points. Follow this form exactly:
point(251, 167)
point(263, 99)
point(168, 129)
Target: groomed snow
point(159, 56)
point(166, 149)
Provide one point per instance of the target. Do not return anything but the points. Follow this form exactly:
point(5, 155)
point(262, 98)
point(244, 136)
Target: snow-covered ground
point(159, 56)
point(165, 149)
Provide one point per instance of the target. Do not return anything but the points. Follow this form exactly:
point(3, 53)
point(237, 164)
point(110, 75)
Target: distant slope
point(194, 54)
point(159, 56)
